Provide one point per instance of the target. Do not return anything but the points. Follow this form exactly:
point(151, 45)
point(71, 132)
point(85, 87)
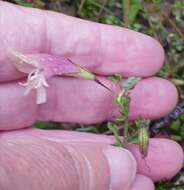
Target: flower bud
point(83, 73)
point(143, 139)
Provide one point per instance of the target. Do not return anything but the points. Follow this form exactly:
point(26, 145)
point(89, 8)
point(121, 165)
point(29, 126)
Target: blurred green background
point(162, 19)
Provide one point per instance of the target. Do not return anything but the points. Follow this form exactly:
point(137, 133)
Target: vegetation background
point(162, 19)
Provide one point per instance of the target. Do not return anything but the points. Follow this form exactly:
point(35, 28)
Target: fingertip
point(142, 183)
point(130, 52)
point(153, 98)
point(122, 167)
point(153, 56)
point(164, 160)
point(172, 158)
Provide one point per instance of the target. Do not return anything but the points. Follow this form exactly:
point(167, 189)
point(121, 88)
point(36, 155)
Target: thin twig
point(126, 9)
point(177, 185)
point(102, 9)
point(81, 6)
point(110, 132)
point(126, 127)
point(173, 24)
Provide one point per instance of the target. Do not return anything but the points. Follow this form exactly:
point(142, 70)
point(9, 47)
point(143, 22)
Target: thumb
point(36, 163)
point(142, 183)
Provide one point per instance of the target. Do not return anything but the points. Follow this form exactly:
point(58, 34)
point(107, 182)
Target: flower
point(36, 80)
point(41, 67)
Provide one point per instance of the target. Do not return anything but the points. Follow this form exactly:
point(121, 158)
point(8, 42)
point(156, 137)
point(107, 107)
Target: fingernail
point(122, 167)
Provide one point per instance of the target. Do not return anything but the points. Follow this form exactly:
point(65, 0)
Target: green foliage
point(123, 103)
point(177, 128)
point(178, 11)
point(130, 83)
point(162, 186)
point(115, 78)
point(167, 186)
point(90, 9)
point(111, 19)
point(135, 6)
point(52, 125)
point(24, 3)
point(88, 129)
point(94, 10)
point(116, 132)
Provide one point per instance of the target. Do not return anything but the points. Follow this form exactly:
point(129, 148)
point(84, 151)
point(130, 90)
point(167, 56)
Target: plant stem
point(126, 9)
point(173, 24)
point(102, 9)
point(81, 6)
point(100, 83)
point(125, 137)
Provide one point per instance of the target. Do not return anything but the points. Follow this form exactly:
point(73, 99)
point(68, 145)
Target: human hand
point(64, 160)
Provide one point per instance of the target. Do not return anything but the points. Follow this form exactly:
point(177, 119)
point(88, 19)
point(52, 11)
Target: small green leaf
point(24, 3)
point(142, 122)
point(182, 131)
point(176, 125)
point(130, 83)
point(123, 104)
point(162, 186)
point(122, 100)
point(134, 10)
point(47, 125)
point(116, 132)
point(115, 78)
point(113, 127)
point(182, 117)
point(88, 129)
point(134, 140)
point(120, 119)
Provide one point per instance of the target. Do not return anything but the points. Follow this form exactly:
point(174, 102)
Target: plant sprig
point(123, 103)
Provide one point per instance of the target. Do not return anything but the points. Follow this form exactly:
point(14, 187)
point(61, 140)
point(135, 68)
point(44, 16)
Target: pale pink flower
point(40, 67)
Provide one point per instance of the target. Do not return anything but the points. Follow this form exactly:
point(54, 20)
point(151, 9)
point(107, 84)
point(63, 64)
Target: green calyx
point(85, 74)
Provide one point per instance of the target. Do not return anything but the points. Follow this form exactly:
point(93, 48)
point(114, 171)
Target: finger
point(142, 183)
point(153, 98)
point(159, 165)
point(164, 160)
point(62, 136)
point(102, 49)
point(67, 166)
point(90, 103)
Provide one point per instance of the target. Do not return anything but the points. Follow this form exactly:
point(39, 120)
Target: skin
point(57, 160)
point(138, 185)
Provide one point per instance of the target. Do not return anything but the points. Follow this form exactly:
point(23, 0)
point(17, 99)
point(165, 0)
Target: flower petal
point(55, 65)
point(50, 65)
point(43, 81)
point(41, 95)
point(28, 87)
point(22, 62)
